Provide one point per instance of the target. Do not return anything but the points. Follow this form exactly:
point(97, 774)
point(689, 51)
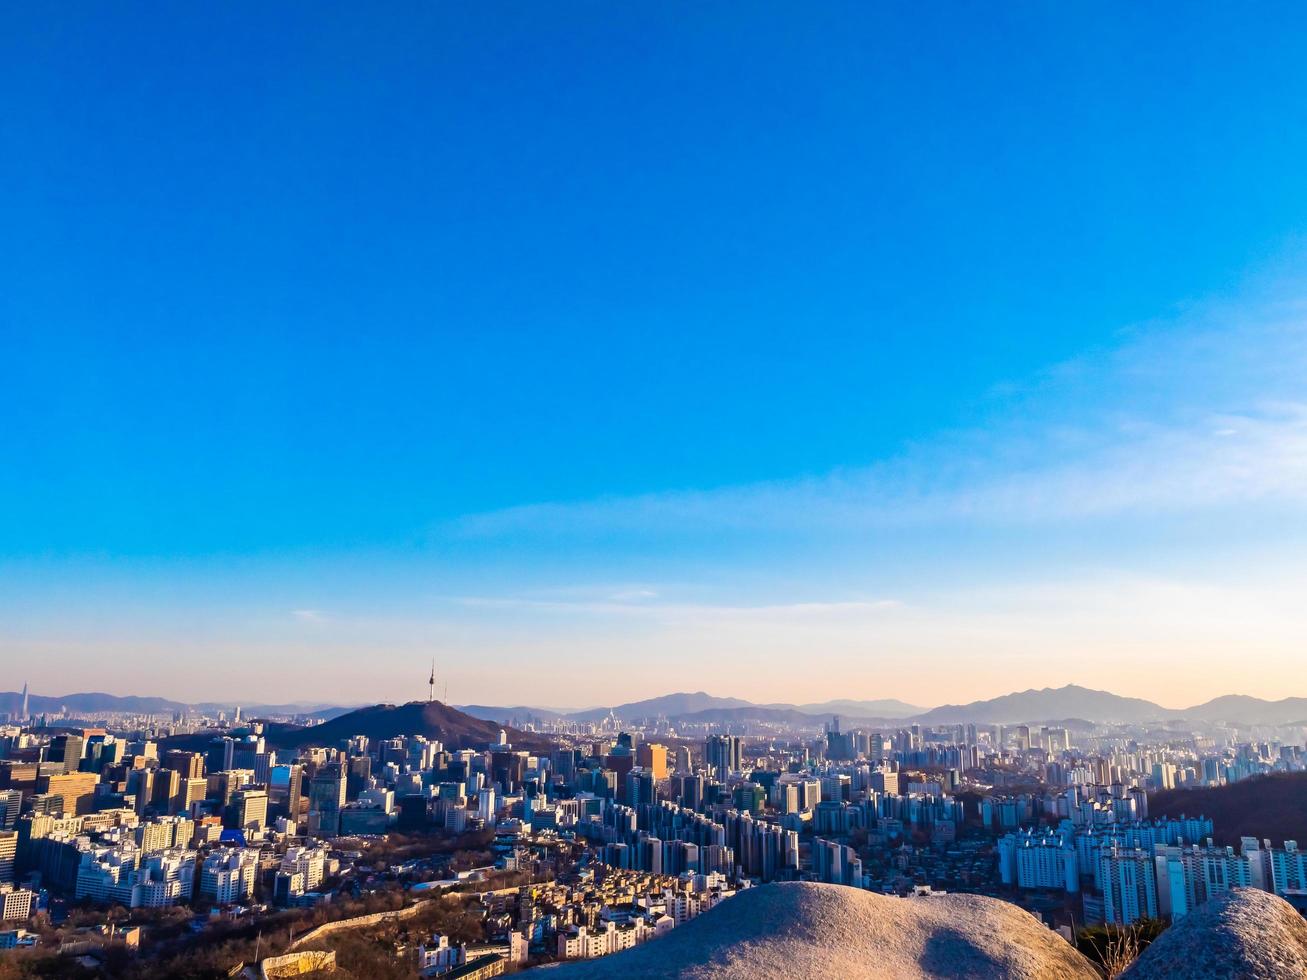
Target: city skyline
point(597, 358)
point(665, 490)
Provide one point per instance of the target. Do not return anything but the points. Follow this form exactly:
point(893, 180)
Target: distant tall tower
point(431, 682)
point(25, 714)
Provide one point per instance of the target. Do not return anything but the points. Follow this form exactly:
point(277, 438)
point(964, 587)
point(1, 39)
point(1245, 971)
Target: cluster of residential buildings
point(597, 911)
point(659, 827)
point(1146, 870)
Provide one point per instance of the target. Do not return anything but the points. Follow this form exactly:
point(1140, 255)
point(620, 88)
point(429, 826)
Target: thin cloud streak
point(680, 611)
point(1174, 421)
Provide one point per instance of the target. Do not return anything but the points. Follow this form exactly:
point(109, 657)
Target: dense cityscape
point(655, 491)
point(134, 842)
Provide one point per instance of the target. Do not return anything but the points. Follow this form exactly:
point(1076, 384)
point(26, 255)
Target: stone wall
point(358, 922)
point(297, 964)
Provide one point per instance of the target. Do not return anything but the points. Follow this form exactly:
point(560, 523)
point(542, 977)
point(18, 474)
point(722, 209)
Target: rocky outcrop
point(806, 931)
point(1244, 934)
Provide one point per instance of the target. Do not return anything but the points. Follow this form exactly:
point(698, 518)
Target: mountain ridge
point(100, 701)
point(1043, 705)
point(1035, 705)
point(433, 719)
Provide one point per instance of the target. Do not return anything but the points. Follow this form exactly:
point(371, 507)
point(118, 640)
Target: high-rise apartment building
point(1128, 877)
point(1189, 875)
point(310, 862)
point(227, 875)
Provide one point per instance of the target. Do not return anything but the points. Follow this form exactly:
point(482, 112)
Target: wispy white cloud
point(682, 611)
point(1208, 413)
point(634, 595)
point(309, 615)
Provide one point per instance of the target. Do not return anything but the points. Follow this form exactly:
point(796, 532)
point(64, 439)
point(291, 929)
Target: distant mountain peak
point(433, 719)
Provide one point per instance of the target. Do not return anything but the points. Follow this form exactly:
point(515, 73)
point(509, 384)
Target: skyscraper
point(249, 809)
point(652, 756)
point(326, 800)
point(285, 789)
point(66, 749)
point(723, 754)
point(190, 765)
point(11, 803)
point(8, 855)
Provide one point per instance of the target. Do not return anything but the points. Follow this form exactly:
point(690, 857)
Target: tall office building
point(653, 757)
point(486, 806)
point(223, 785)
point(140, 784)
point(165, 795)
point(8, 855)
point(192, 792)
point(639, 788)
point(11, 803)
point(563, 762)
point(508, 769)
point(221, 754)
point(190, 765)
point(285, 789)
point(326, 800)
point(249, 809)
point(75, 790)
point(692, 791)
point(840, 745)
point(66, 749)
point(359, 777)
point(724, 754)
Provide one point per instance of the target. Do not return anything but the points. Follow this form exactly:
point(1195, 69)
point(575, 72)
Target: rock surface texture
point(805, 931)
point(1245, 934)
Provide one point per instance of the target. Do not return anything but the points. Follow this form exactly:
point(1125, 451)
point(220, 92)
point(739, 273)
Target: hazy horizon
point(237, 700)
point(930, 354)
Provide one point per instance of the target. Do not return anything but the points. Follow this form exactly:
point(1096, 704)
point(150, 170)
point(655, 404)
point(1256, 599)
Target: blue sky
point(865, 350)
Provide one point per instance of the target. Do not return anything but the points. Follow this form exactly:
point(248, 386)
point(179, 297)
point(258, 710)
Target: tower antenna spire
point(431, 682)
